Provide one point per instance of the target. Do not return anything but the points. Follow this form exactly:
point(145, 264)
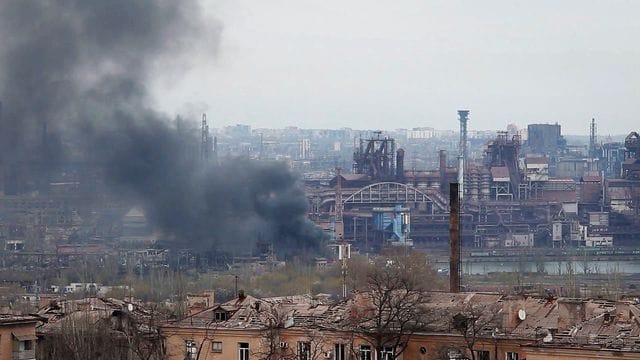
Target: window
point(191, 349)
point(511, 355)
point(454, 354)
point(243, 351)
point(387, 353)
point(220, 316)
point(482, 355)
point(216, 346)
point(22, 344)
point(339, 352)
point(365, 352)
point(304, 350)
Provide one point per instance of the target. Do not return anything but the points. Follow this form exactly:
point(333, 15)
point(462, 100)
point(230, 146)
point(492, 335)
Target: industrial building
point(545, 139)
point(521, 194)
point(519, 189)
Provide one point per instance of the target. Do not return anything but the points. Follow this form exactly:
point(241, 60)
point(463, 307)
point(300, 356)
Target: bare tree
point(390, 310)
point(316, 343)
point(143, 335)
point(315, 346)
point(570, 275)
point(449, 351)
point(411, 263)
point(311, 346)
point(209, 335)
point(272, 348)
point(471, 323)
point(81, 337)
point(102, 334)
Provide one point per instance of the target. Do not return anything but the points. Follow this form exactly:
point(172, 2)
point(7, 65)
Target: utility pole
point(339, 231)
point(344, 249)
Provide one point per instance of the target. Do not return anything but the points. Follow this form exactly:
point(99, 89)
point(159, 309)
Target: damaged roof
point(94, 311)
point(548, 321)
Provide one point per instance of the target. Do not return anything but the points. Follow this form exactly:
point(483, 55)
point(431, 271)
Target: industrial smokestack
point(593, 140)
point(454, 238)
point(215, 149)
point(463, 116)
point(443, 168)
point(339, 224)
point(204, 139)
point(400, 164)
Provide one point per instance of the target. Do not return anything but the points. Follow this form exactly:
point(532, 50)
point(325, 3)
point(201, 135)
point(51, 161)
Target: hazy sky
point(407, 63)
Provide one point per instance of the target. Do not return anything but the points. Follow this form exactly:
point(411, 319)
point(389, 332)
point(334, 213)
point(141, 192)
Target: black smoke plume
point(72, 84)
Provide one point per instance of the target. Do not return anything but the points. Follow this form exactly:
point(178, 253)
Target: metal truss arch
point(394, 193)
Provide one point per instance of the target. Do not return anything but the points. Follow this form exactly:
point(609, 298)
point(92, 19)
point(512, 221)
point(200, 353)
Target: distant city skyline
point(331, 64)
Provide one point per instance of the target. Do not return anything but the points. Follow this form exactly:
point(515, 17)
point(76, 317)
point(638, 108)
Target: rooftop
point(500, 173)
point(559, 321)
point(537, 160)
point(8, 319)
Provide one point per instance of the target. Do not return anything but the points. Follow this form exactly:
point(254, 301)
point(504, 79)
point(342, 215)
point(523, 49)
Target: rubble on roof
point(96, 311)
point(548, 321)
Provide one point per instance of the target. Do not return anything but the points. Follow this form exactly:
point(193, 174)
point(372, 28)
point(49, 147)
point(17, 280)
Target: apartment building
point(17, 337)
point(503, 327)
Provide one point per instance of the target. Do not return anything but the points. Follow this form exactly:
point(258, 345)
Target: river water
point(550, 267)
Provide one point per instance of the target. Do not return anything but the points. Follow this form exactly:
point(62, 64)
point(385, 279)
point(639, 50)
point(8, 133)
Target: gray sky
point(407, 63)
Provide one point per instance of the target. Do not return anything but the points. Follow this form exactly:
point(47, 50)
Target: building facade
point(503, 327)
point(17, 337)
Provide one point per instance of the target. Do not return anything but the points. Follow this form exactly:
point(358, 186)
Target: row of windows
point(480, 354)
point(304, 352)
point(340, 353)
point(191, 349)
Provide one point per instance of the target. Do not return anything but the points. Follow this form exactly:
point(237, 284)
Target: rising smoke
point(74, 72)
